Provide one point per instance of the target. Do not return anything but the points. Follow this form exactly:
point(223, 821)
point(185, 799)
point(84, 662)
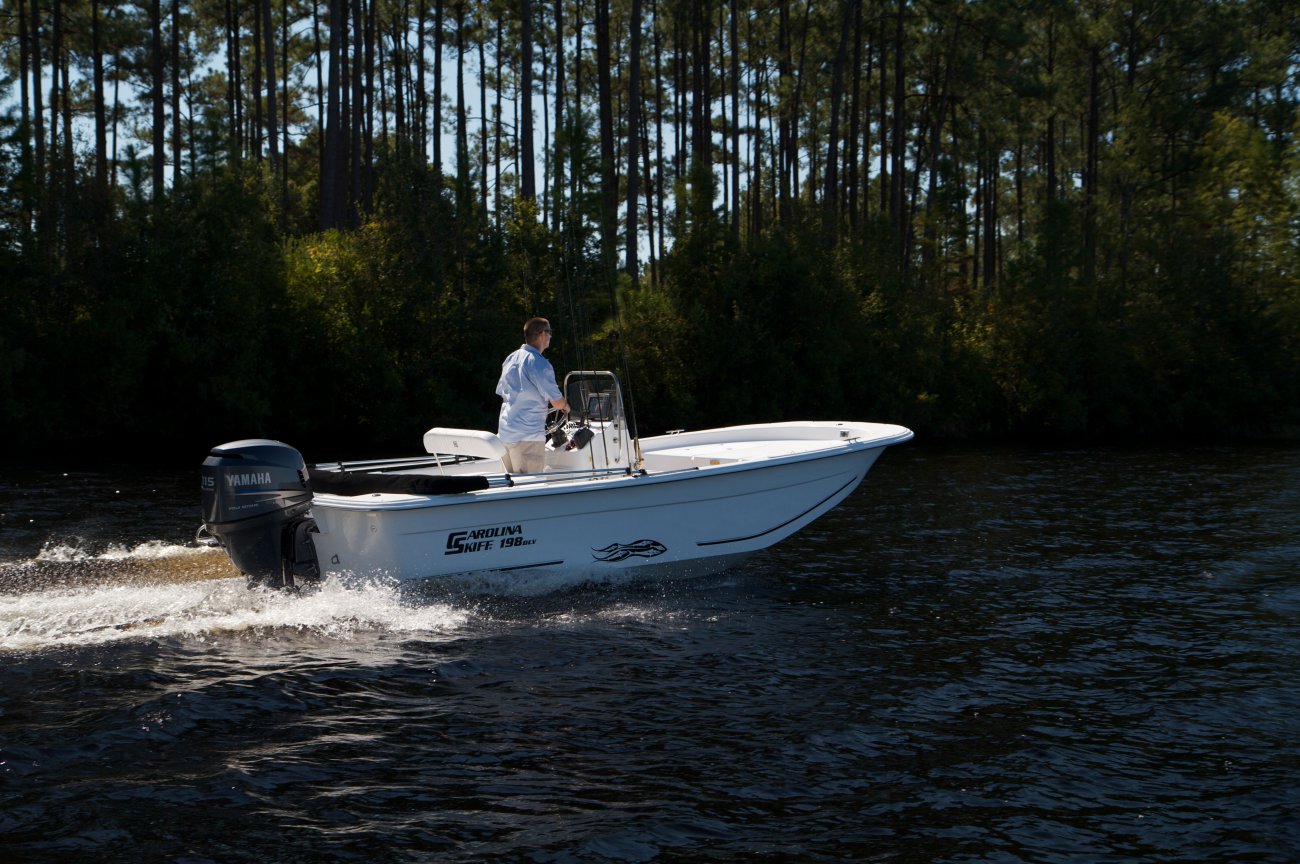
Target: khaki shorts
point(526, 457)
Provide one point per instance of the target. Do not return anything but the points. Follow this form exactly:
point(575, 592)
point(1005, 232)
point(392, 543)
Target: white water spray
point(157, 590)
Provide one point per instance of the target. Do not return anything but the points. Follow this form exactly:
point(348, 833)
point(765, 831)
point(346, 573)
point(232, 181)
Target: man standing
point(526, 388)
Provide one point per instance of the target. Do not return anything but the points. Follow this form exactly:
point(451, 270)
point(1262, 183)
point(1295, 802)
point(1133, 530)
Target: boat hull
point(692, 519)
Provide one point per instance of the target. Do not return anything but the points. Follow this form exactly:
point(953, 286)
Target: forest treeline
point(326, 220)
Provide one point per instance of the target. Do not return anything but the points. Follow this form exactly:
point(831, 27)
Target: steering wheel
point(555, 427)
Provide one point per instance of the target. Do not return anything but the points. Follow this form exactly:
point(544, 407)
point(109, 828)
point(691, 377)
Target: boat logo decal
point(255, 478)
point(484, 539)
point(622, 551)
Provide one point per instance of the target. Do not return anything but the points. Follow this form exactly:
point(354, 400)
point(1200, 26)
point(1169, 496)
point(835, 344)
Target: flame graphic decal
point(622, 551)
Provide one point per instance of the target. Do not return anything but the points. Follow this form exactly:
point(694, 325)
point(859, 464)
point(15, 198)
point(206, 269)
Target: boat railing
point(495, 479)
point(552, 475)
point(410, 463)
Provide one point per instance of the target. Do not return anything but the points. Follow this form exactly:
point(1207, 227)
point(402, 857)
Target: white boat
point(687, 502)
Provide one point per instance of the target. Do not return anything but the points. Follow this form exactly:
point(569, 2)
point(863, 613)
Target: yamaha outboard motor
point(255, 502)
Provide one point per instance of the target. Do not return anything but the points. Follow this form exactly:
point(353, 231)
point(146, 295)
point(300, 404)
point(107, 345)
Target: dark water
point(985, 655)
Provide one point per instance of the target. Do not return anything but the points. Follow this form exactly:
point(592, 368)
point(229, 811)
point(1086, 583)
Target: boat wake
point(154, 561)
point(69, 597)
point(65, 597)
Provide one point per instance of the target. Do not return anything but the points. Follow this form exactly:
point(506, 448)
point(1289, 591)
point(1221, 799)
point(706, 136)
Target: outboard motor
point(255, 497)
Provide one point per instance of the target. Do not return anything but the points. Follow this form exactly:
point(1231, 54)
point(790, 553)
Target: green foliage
point(158, 326)
point(1108, 246)
point(746, 334)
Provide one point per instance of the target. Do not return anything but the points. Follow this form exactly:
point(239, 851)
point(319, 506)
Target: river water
point(983, 655)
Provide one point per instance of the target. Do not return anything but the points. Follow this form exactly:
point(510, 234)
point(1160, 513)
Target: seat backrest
point(464, 442)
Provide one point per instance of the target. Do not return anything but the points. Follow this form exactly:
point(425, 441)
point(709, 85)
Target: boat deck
point(728, 453)
point(662, 455)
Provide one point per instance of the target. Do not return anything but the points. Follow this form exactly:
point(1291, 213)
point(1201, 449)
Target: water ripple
point(985, 655)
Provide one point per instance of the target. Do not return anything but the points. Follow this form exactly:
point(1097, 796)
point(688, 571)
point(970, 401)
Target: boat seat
point(464, 442)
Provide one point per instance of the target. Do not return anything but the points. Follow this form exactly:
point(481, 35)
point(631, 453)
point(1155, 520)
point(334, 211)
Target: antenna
point(627, 374)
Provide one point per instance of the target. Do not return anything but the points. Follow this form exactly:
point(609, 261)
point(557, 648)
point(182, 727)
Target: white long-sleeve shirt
point(527, 387)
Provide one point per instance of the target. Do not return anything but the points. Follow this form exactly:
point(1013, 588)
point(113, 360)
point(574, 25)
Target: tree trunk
point(436, 130)
point(233, 100)
point(830, 200)
point(156, 96)
point(397, 72)
point(367, 185)
point(258, 126)
point(977, 223)
point(1049, 157)
point(649, 193)
point(284, 114)
point(896, 133)
point(358, 113)
point(527, 169)
point(331, 194)
point(24, 131)
point(101, 121)
point(793, 159)
point(421, 132)
point(176, 92)
point(67, 161)
point(721, 73)
point(776, 156)
point(560, 132)
point(608, 177)
point(990, 218)
point(702, 145)
point(784, 71)
point(575, 181)
point(855, 125)
point(1020, 188)
point(1090, 170)
point(272, 130)
point(38, 116)
point(65, 114)
point(659, 137)
point(882, 121)
point(56, 53)
point(936, 137)
point(735, 123)
point(462, 132)
point(399, 109)
point(497, 127)
point(756, 163)
point(482, 112)
point(681, 85)
point(633, 140)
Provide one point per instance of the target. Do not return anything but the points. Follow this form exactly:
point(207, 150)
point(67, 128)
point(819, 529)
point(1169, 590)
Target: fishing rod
point(627, 372)
point(568, 239)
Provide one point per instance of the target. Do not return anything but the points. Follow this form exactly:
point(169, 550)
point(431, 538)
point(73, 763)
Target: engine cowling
point(255, 499)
